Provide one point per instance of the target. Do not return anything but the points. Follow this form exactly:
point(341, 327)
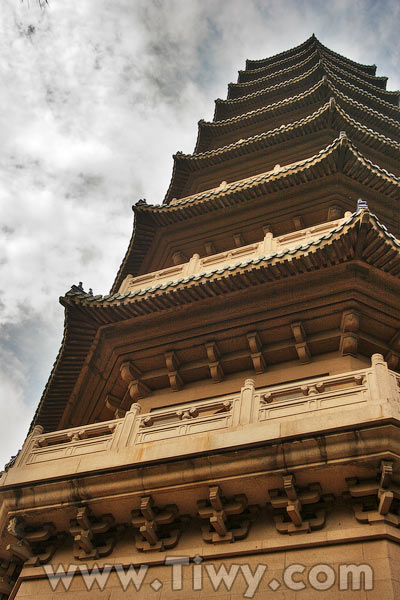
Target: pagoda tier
point(289, 274)
point(216, 134)
point(334, 177)
point(389, 101)
point(287, 143)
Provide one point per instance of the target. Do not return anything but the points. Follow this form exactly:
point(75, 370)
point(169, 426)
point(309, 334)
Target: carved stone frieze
point(298, 510)
point(93, 536)
point(228, 520)
point(376, 500)
point(157, 528)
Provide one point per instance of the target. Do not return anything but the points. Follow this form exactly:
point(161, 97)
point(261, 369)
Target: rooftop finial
point(362, 204)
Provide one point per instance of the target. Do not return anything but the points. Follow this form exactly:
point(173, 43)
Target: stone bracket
point(302, 349)
point(373, 498)
point(214, 364)
point(257, 357)
point(9, 572)
point(228, 520)
point(94, 537)
point(35, 544)
point(349, 327)
point(172, 363)
point(298, 510)
point(132, 376)
point(157, 528)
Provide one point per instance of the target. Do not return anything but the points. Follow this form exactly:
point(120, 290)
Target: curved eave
point(142, 236)
point(79, 333)
point(390, 100)
point(236, 90)
point(361, 237)
point(327, 116)
point(279, 58)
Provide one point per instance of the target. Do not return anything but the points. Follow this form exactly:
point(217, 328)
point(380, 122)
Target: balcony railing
point(342, 400)
point(196, 265)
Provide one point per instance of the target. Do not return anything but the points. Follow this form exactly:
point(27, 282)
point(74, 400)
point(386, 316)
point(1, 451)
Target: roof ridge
point(290, 51)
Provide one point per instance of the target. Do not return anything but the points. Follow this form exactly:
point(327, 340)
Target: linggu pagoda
point(228, 416)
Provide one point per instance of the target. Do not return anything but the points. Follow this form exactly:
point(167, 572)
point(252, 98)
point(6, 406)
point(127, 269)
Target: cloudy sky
point(95, 97)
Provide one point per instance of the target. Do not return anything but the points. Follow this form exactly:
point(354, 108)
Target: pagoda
point(232, 406)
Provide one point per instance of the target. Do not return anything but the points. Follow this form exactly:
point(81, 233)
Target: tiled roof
point(236, 90)
point(184, 164)
point(388, 100)
point(294, 52)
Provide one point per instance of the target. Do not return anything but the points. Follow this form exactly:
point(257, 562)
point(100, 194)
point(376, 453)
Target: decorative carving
point(313, 388)
point(257, 357)
point(93, 536)
point(175, 380)
point(298, 510)
point(213, 356)
point(376, 500)
point(302, 349)
point(229, 520)
point(158, 528)
point(349, 327)
point(35, 544)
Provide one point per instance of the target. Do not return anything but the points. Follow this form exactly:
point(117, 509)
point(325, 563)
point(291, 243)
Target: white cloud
point(95, 98)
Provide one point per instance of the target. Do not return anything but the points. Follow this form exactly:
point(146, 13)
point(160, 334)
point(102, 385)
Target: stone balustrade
point(296, 408)
point(196, 265)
